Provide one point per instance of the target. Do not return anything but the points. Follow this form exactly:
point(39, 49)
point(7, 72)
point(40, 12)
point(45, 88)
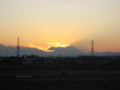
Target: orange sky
point(71, 22)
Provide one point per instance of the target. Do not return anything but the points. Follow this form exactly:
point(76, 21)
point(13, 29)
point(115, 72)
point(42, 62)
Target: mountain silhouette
point(70, 51)
point(11, 51)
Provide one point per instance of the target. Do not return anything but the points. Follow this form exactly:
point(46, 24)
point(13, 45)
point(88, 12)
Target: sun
point(57, 44)
point(50, 44)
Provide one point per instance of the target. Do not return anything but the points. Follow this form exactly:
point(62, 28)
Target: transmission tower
point(18, 48)
point(92, 48)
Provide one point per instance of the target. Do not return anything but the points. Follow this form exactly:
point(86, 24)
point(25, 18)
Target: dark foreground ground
point(37, 79)
point(87, 73)
point(61, 84)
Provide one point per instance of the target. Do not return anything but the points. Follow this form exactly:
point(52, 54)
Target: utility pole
point(92, 48)
point(18, 48)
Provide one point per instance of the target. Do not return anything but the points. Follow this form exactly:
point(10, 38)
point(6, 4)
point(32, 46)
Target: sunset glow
point(61, 23)
point(46, 49)
point(40, 48)
point(57, 44)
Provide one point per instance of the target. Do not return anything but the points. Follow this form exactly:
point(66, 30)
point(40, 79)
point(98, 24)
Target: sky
point(69, 22)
